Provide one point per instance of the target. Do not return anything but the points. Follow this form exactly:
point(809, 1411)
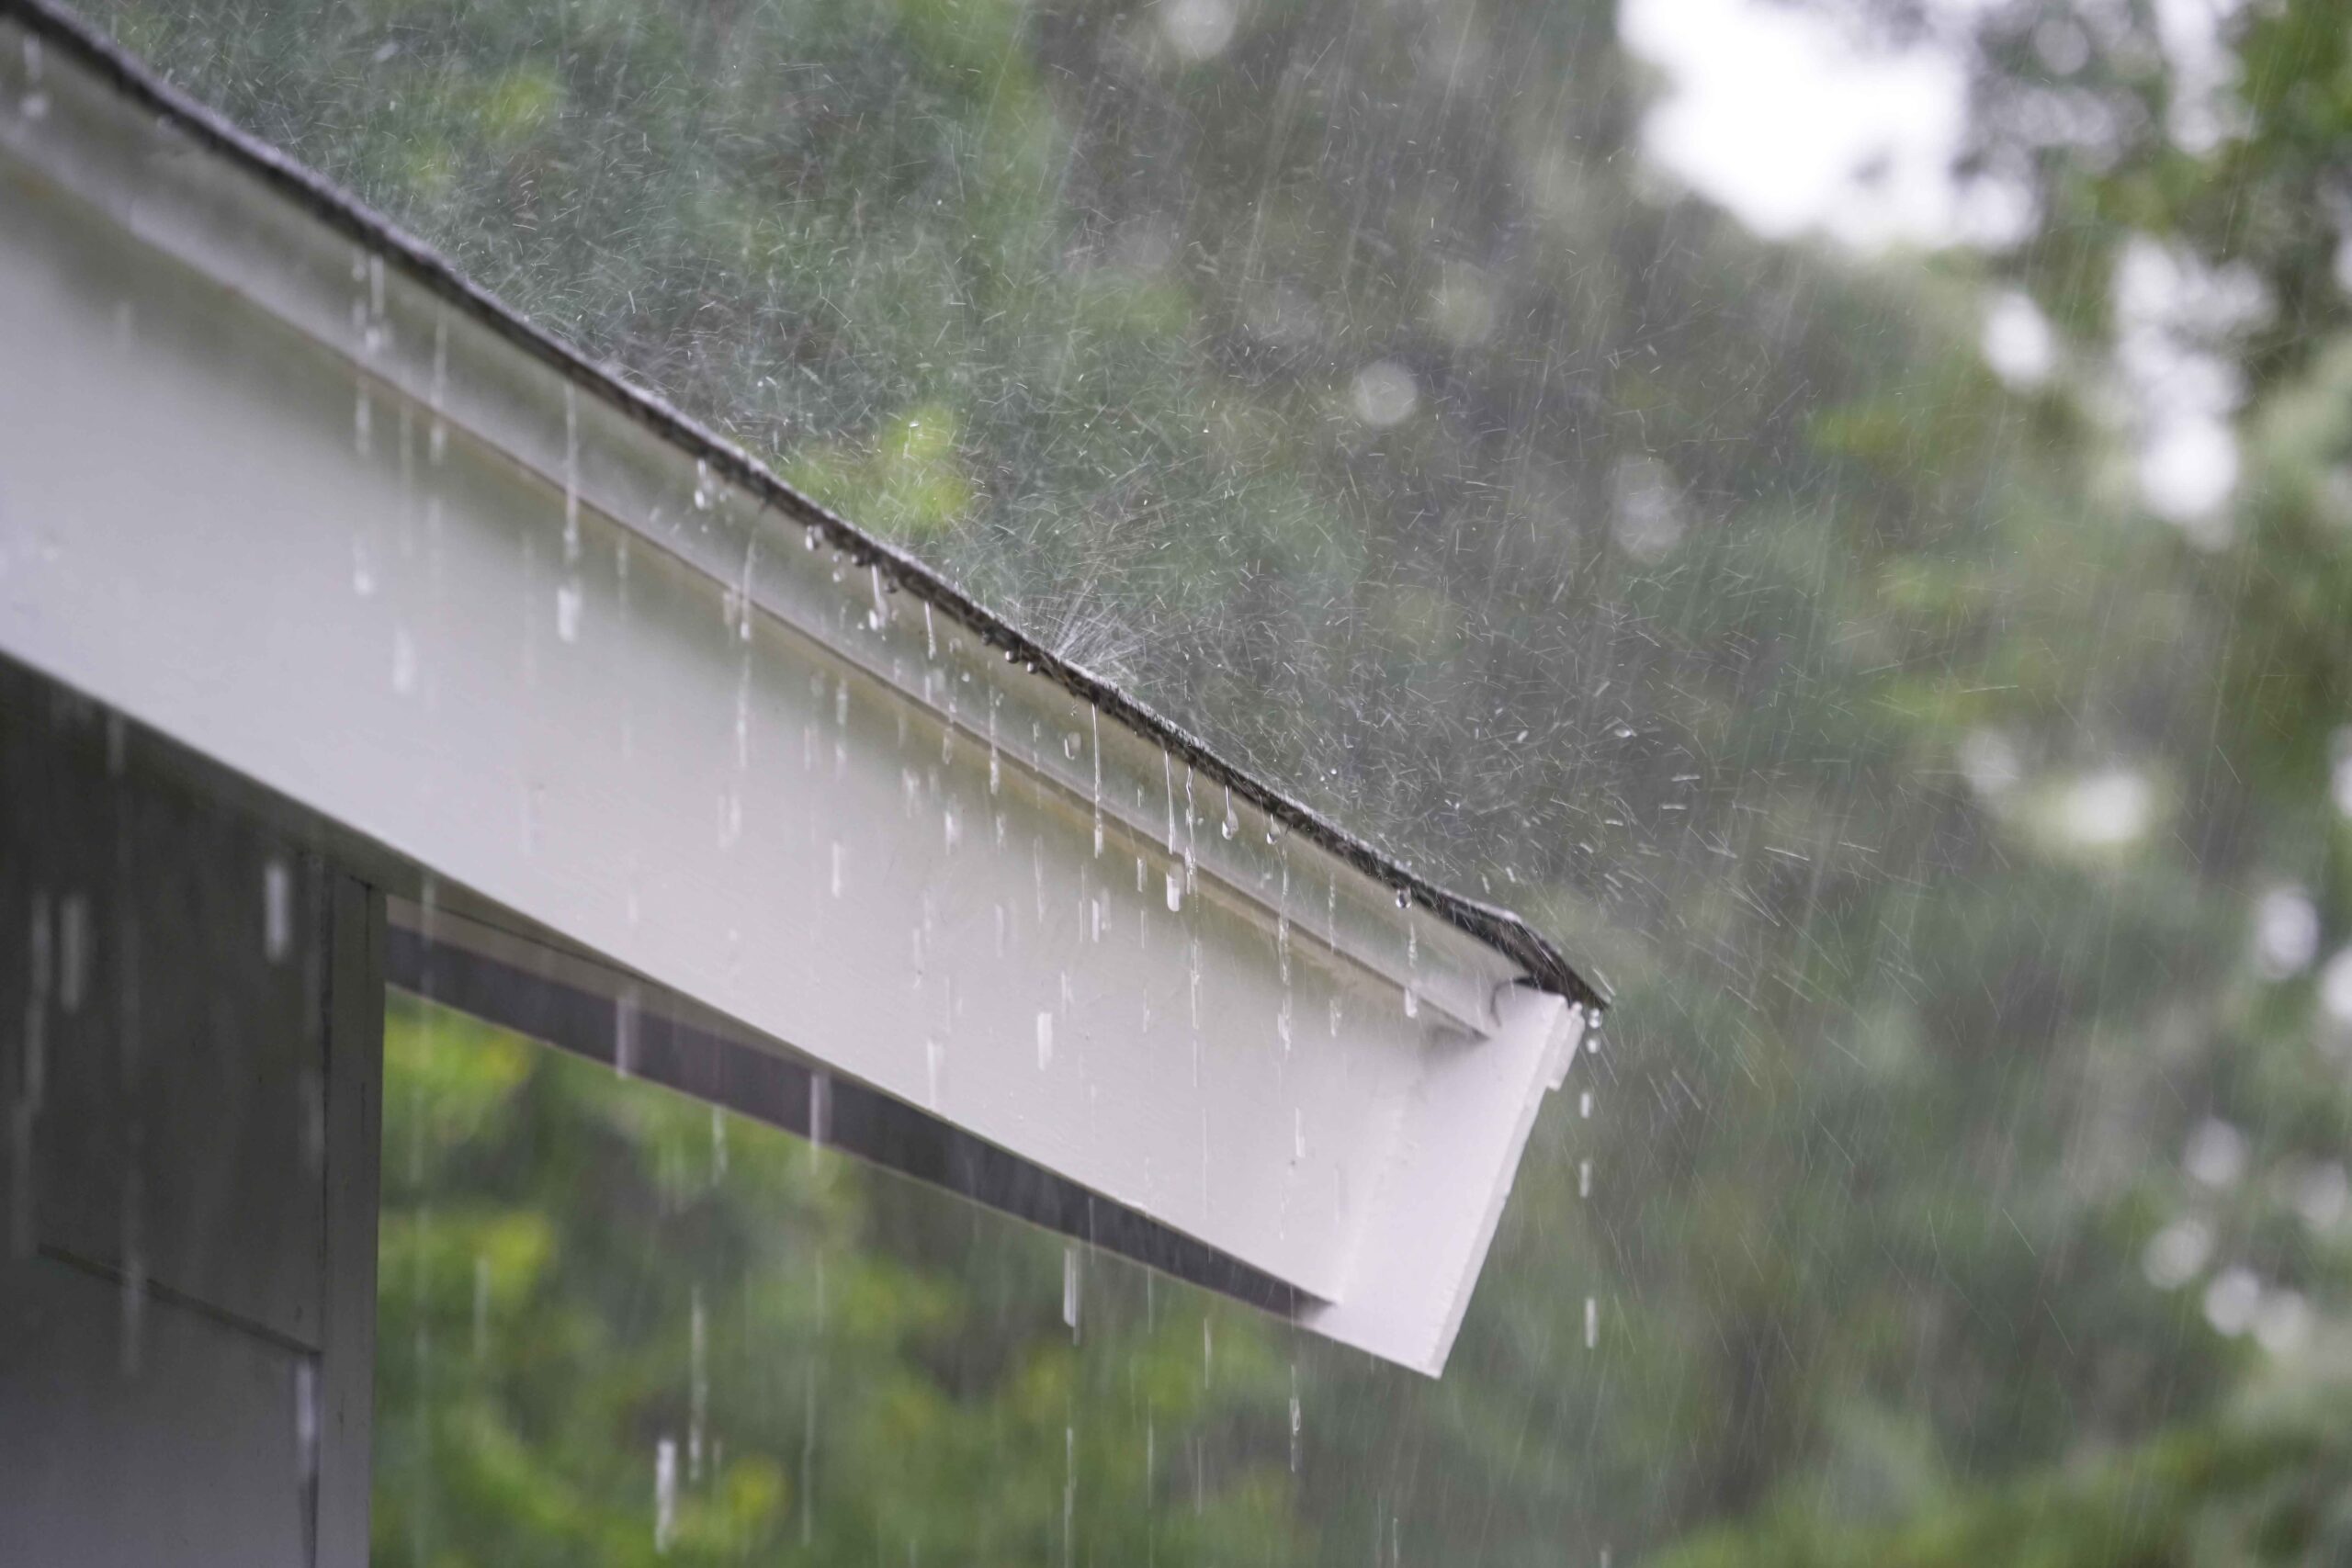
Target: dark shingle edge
point(1500, 929)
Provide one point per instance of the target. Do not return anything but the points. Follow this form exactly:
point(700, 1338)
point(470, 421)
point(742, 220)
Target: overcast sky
point(1773, 113)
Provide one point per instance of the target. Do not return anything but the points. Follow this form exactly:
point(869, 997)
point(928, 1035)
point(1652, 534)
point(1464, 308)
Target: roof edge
point(1505, 932)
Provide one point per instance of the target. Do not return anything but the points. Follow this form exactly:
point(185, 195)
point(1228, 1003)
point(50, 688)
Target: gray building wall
point(190, 1067)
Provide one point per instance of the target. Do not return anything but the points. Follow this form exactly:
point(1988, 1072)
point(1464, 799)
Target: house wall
point(190, 1057)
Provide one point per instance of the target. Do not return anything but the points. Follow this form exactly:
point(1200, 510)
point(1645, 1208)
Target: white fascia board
point(308, 508)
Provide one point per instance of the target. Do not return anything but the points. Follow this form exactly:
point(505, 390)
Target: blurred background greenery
point(1914, 679)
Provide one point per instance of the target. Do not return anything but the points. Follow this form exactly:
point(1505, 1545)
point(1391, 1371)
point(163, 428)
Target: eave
point(278, 482)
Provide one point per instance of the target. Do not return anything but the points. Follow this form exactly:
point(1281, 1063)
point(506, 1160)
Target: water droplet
point(277, 911)
point(436, 439)
point(625, 1031)
point(1045, 1039)
point(567, 611)
point(306, 1418)
point(1175, 890)
point(820, 1109)
point(1168, 784)
point(1592, 1322)
point(666, 1494)
point(73, 952)
point(1584, 1179)
point(1069, 1288)
point(1297, 1428)
point(35, 103)
point(838, 859)
point(698, 1383)
point(571, 475)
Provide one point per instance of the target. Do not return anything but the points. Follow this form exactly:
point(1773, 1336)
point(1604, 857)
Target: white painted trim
point(1417, 1254)
point(269, 493)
